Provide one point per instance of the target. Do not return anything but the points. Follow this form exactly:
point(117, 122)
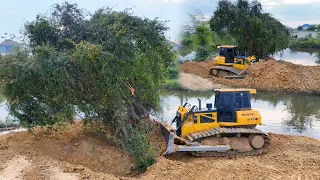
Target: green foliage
point(304, 43)
point(299, 28)
point(140, 149)
point(172, 84)
point(311, 28)
point(197, 36)
point(256, 32)
point(120, 48)
point(173, 71)
point(203, 42)
point(9, 125)
point(187, 45)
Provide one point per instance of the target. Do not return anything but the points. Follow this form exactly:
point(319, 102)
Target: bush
point(305, 43)
point(8, 125)
point(172, 84)
point(140, 149)
point(173, 71)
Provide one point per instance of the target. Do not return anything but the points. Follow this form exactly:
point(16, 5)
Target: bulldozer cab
point(229, 52)
point(228, 102)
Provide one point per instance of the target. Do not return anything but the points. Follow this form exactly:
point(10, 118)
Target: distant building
point(7, 45)
point(306, 26)
point(305, 34)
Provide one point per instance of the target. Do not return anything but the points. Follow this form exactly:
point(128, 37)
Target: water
point(304, 56)
point(3, 112)
point(281, 113)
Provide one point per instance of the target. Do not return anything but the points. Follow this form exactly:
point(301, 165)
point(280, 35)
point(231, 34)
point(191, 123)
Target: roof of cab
point(226, 47)
point(251, 91)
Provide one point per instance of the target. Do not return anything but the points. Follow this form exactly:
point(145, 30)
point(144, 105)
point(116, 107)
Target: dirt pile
point(72, 145)
point(268, 75)
point(75, 154)
point(197, 68)
point(196, 83)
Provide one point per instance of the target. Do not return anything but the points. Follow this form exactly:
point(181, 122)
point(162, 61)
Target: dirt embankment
point(196, 83)
point(75, 154)
point(268, 75)
point(71, 152)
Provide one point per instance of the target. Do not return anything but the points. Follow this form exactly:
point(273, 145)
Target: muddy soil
point(75, 154)
point(268, 75)
point(46, 153)
point(196, 83)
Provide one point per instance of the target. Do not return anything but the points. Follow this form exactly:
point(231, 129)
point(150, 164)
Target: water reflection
point(3, 107)
point(297, 114)
point(303, 109)
point(304, 56)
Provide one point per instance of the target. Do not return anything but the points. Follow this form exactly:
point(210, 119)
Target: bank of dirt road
point(271, 75)
point(73, 153)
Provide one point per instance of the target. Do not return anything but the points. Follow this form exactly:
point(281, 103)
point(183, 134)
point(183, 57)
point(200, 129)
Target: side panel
point(249, 117)
point(200, 122)
point(220, 60)
point(239, 66)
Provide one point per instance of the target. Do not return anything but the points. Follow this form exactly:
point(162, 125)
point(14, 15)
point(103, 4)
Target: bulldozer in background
point(229, 61)
point(227, 129)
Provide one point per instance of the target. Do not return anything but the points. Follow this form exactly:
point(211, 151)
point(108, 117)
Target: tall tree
point(256, 32)
point(109, 66)
point(197, 36)
point(311, 28)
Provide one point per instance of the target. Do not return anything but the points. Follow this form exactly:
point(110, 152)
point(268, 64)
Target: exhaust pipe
point(199, 103)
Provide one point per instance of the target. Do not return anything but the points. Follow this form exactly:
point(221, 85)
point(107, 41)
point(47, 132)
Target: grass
point(305, 43)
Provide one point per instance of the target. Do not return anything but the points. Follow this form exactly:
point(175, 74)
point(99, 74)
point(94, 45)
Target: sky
point(14, 13)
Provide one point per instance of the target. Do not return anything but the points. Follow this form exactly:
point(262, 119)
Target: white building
point(304, 34)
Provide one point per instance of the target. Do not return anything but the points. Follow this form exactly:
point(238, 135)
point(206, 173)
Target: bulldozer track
point(230, 69)
point(230, 131)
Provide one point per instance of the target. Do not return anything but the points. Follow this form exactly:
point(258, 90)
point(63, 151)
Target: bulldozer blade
point(220, 148)
point(171, 147)
point(169, 137)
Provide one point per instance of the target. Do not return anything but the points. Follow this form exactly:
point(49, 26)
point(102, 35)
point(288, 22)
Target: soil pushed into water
point(73, 153)
point(271, 75)
point(196, 83)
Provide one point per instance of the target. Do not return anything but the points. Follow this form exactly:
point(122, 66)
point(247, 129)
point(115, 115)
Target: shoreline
point(265, 76)
point(205, 88)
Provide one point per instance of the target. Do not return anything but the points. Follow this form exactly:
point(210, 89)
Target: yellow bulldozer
point(227, 129)
point(228, 61)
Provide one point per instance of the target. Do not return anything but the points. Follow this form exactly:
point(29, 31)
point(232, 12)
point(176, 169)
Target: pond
point(294, 114)
point(303, 56)
point(3, 111)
